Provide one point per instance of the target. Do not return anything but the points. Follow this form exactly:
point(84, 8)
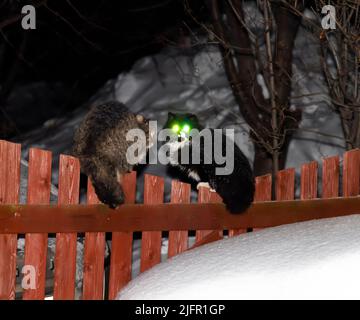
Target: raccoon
point(236, 189)
point(100, 144)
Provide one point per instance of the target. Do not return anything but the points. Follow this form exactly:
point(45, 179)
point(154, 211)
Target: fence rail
point(167, 217)
point(208, 218)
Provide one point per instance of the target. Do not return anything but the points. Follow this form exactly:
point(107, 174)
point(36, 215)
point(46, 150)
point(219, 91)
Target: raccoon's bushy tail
point(106, 185)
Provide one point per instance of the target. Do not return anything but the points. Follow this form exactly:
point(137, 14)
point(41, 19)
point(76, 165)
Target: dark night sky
point(80, 44)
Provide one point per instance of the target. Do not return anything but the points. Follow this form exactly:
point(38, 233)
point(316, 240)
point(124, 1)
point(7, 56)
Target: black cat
point(236, 188)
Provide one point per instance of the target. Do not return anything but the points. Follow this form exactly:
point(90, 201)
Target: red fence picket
point(39, 181)
point(94, 255)
point(351, 173)
point(285, 184)
point(9, 194)
point(309, 180)
point(151, 240)
point(121, 245)
point(206, 236)
point(178, 240)
point(65, 254)
point(330, 177)
point(262, 190)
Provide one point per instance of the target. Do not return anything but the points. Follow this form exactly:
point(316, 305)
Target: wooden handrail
point(140, 217)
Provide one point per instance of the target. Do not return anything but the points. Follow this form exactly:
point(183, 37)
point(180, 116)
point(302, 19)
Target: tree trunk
point(242, 66)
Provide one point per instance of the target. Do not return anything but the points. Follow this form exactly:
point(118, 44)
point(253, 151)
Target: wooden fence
point(207, 218)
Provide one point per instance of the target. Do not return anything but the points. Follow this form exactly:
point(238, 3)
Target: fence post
point(330, 177)
point(263, 185)
point(9, 194)
point(121, 245)
point(65, 252)
point(351, 173)
point(285, 184)
point(36, 244)
point(309, 176)
point(94, 256)
point(178, 240)
point(151, 240)
point(206, 236)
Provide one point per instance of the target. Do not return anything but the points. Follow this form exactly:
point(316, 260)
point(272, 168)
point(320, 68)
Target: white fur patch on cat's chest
point(175, 150)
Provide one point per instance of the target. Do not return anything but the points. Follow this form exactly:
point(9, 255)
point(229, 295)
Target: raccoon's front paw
point(204, 185)
point(111, 201)
point(112, 198)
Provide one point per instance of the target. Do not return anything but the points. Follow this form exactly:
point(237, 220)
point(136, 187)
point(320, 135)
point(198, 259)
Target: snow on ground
point(317, 259)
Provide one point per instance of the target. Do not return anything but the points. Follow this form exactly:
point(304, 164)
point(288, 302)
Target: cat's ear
point(140, 118)
point(171, 115)
point(192, 117)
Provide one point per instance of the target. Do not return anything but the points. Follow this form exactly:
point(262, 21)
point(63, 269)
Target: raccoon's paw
point(113, 198)
point(204, 185)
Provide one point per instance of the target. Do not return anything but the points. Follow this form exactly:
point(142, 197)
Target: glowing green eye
point(186, 128)
point(175, 128)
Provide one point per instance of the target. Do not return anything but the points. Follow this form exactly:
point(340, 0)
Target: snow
point(318, 259)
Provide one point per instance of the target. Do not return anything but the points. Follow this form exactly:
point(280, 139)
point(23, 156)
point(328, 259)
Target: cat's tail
point(240, 200)
point(106, 184)
point(237, 206)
